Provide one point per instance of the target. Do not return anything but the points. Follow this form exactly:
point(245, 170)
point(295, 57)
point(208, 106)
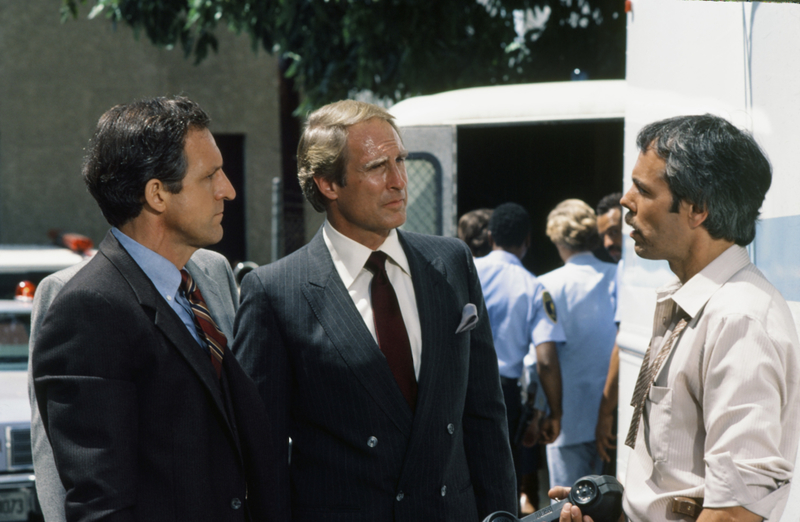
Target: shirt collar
point(164, 275)
point(352, 255)
point(693, 295)
point(501, 256)
point(581, 258)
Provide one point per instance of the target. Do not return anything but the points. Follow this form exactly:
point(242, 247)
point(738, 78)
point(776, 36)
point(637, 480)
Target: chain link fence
point(423, 213)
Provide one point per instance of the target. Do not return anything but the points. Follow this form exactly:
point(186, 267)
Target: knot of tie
point(187, 283)
point(377, 263)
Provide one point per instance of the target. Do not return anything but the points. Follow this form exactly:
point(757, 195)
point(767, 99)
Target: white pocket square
point(469, 318)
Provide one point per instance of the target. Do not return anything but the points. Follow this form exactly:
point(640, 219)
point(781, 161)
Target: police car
point(21, 268)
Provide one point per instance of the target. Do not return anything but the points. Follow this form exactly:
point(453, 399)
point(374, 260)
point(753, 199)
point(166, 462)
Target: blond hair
point(322, 151)
point(573, 224)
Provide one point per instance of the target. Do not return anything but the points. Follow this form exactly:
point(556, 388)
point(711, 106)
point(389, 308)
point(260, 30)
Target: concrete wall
point(57, 79)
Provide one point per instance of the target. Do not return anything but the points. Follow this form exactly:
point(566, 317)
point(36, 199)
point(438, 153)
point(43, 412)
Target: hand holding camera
point(599, 496)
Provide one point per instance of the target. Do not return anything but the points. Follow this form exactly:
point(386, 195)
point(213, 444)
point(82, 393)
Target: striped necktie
point(647, 375)
point(205, 324)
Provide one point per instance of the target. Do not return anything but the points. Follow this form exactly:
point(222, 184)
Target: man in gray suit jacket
point(387, 384)
point(149, 416)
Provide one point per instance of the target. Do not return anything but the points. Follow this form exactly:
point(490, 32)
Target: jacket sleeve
point(48, 485)
point(260, 350)
point(83, 379)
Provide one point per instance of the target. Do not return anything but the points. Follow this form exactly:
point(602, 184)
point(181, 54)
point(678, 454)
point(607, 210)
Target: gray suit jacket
point(359, 452)
point(215, 279)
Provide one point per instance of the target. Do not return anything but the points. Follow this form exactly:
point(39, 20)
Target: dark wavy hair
point(509, 225)
point(715, 166)
point(608, 202)
point(473, 229)
point(135, 143)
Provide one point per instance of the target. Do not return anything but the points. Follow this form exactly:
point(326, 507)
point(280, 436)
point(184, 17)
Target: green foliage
point(394, 48)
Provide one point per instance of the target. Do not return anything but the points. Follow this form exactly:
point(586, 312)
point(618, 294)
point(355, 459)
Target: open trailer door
point(534, 144)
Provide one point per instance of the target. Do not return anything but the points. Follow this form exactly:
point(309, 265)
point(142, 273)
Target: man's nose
point(226, 190)
point(397, 177)
point(626, 201)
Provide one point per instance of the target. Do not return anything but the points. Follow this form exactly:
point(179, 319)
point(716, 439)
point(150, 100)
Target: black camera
point(599, 496)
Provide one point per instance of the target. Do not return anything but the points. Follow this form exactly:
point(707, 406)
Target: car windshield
point(14, 334)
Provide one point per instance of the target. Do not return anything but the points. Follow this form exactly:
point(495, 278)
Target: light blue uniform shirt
point(165, 277)
point(583, 291)
point(517, 305)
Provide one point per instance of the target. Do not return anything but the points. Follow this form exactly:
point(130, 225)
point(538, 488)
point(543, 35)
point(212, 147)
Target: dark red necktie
point(390, 328)
point(205, 324)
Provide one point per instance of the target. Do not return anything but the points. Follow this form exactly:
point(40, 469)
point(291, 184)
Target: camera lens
point(584, 492)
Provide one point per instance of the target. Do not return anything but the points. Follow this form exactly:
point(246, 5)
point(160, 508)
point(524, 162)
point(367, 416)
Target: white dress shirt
point(349, 258)
point(721, 420)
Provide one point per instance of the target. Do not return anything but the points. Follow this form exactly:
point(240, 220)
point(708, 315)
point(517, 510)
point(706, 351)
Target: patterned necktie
point(204, 322)
point(647, 375)
point(390, 328)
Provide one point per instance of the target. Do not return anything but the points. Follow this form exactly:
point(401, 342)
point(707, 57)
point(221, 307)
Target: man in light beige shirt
point(716, 419)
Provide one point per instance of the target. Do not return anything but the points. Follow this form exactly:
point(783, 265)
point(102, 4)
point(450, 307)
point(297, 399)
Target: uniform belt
point(689, 506)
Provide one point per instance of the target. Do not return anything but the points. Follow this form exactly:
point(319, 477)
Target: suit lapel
point(164, 318)
point(334, 309)
point(429, 277)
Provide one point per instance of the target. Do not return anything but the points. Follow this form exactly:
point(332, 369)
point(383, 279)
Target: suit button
point(451, 429)
point(444, 490)
point(372, 442)
point(236, 503)
point(399, 496)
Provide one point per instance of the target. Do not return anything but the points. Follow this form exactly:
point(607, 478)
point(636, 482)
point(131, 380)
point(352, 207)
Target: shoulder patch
point(549, 306)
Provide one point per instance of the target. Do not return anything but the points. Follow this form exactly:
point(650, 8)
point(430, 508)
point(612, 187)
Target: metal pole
point(277, 218)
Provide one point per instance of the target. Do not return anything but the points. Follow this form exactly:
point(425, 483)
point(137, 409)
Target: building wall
point(57, 79)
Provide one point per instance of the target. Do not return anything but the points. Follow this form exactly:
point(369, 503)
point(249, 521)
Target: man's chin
point(643, 252)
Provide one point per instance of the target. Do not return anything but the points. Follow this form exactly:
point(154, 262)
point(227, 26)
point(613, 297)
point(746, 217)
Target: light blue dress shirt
point(517, 304)
point(165, 277)
point(584, 294)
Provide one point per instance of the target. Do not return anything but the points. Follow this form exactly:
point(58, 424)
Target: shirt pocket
point(660, 420)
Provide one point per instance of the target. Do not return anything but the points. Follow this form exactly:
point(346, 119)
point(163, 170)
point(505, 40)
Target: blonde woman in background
point(583, 293)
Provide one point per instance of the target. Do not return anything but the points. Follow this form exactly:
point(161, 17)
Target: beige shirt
point(349, 258)
point(722, 420)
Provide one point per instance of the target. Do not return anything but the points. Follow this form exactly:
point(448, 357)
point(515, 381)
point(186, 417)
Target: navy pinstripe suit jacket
point(359, 453)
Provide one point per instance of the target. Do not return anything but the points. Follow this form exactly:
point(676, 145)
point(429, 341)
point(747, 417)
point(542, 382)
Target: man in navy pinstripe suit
point(362, 448)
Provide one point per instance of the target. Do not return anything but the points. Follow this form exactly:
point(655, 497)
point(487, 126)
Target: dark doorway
point(233, 244)
point(538, 166)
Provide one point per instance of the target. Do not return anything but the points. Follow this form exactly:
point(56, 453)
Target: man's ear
point(696, 214)
point(156, 195)
point(327, 187)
